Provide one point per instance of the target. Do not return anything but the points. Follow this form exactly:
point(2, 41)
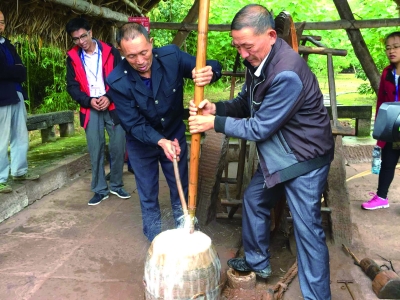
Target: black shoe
point(239, 264)
point(97, 198)
point(108, 176)
point(120, 193)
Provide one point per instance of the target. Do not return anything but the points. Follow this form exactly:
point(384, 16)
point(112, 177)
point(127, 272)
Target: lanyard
point(98, 61)
point(396, 83)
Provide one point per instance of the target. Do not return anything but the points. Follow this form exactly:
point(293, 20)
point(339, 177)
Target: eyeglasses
point(82, 38)
point(395, 47)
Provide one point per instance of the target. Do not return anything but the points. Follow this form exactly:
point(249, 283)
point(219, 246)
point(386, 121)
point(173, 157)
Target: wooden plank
point(231, 202)
point(337, 197)
point(352, 112)
point(342, 130)
point(226, 216)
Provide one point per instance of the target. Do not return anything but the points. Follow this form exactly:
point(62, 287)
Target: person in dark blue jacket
point(147, 89)
point(13, 129)
point(281, 109)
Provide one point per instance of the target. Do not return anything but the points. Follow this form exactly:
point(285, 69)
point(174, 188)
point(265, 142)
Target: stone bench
point(361, 113)
point(45, 123)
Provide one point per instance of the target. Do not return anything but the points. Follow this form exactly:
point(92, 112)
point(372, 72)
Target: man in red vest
point(88, 64)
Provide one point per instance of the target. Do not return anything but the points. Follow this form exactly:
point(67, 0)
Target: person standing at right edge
point(388, 92)
point(281, 108)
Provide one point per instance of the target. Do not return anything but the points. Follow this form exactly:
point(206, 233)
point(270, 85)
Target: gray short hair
point(130, 31)
point(255, 16)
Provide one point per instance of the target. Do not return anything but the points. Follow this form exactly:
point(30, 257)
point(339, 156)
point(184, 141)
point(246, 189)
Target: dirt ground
point(61, 248)
point(375, 235)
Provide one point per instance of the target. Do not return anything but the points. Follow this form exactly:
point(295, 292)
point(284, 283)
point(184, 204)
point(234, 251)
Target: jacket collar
point(271, 55)
point(133, 75)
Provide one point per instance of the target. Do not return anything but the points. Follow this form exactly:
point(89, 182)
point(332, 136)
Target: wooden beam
point(93, 10)
point(328, 25)
point(133, 5)
point(359, 46)
point(191, 17)
point(322, 50)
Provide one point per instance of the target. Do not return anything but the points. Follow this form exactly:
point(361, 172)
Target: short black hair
point(393, 34)
point(76, 24)
point(255, 16)
point(130, 31)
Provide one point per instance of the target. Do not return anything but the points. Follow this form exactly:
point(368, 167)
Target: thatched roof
point(47, 18)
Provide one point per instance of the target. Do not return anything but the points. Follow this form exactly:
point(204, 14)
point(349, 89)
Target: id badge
point(95, 91)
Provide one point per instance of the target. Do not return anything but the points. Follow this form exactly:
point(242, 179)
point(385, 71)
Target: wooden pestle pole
point(198, 97)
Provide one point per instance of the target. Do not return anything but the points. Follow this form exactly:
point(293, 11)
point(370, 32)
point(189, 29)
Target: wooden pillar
point(359, 46)
point(191, 17)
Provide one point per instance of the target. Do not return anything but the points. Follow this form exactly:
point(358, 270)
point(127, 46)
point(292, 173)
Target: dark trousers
point(303, 195)
point(145, 162)
point(100, 121)
point(390, 158)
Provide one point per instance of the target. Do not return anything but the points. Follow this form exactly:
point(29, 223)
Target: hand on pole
point(201, 123)
point(171, 148)
point(207, 108)
point(203, 76)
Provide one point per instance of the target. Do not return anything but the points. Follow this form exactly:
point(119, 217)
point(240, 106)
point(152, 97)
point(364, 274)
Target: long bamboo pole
point(198, 97)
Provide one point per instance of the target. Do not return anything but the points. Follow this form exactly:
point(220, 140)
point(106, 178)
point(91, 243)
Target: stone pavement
point(58, 247)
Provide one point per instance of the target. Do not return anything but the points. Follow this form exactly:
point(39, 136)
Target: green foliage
point(57, 97)
point(46, 84)
point(222, 12)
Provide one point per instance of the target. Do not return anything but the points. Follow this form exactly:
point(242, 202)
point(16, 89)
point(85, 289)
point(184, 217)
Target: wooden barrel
point(180, 265)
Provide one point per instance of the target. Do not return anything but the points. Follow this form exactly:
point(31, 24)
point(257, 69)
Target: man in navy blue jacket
point(13, 129)
point(147, 89)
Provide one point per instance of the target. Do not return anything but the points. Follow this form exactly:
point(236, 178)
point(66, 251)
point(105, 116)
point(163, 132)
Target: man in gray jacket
point(280, 108)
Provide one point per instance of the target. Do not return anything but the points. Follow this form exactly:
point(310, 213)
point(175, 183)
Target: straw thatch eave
point(46, 19)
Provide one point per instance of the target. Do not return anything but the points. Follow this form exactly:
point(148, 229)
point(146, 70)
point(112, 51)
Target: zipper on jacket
point(252, 88)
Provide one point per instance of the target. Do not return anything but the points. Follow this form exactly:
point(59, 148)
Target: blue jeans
point(100, 121)
point(303, 195)
point(13, 132)
point(145, 162)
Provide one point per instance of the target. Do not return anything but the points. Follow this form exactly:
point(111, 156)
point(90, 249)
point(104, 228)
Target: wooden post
point(198, 97)
point(332, 90)
point(359, 46)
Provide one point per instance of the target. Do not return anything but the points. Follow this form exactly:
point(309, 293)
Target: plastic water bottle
point(376, 160)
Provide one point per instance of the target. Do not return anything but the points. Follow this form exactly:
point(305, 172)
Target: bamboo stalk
point(198, 97)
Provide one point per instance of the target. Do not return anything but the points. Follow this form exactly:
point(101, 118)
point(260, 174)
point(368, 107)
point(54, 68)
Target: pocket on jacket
point(283, 143)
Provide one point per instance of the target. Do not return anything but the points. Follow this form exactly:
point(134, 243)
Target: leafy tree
point(46, 84)
point(222, 12)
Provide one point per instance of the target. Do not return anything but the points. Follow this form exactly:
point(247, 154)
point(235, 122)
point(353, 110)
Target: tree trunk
point(359, 46)
point(191, 17)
